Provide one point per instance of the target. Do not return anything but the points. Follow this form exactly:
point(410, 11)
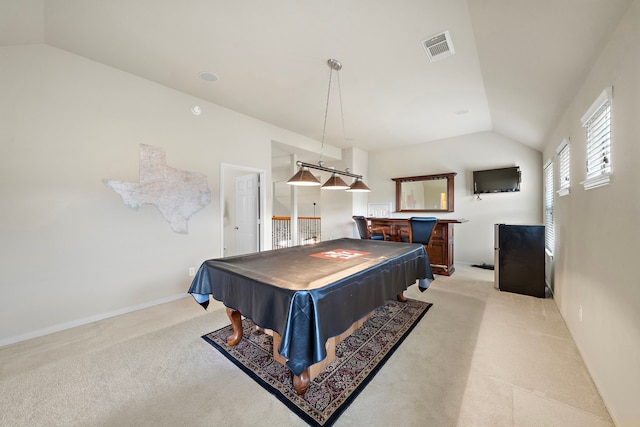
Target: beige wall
point(340, 206)
point(596, 265)
point(463, 155)
point(71, 251)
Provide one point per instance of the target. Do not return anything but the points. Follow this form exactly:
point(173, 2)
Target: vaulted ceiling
point(516, 66)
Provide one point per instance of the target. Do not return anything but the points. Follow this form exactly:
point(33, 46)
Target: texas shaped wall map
point(176, 193)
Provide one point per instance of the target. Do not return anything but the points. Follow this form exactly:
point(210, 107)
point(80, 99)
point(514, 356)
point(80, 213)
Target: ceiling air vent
point(439, 46)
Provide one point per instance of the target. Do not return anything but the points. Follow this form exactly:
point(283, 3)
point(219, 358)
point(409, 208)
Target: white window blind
point(597, 122)
point(549, 235)
point(564, 155)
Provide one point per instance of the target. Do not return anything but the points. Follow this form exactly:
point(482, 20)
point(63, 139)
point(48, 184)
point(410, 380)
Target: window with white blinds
point(564, 158)
point(597, 122)
point(549, 235)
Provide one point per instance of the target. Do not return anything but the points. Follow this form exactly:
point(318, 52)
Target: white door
point(247, 214)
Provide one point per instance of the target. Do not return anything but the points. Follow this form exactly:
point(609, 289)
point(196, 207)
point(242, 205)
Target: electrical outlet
point(580, 312)
point(192, 271)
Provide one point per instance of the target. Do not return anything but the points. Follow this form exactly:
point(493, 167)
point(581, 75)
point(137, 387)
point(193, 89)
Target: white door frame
point(262, 200)
point(247, 221)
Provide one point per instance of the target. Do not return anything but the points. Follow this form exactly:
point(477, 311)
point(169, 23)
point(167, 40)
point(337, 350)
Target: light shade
point(358, 186)
point(335, 183)
point(303, 178)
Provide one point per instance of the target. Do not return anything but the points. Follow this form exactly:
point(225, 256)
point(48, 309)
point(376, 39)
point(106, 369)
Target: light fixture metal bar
point(326, 169)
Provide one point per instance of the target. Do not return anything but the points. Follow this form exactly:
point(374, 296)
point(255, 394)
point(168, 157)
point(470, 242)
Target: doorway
point(241, 209)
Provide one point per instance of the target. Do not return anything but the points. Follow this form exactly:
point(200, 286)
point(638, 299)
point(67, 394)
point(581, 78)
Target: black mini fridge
point(519, 259)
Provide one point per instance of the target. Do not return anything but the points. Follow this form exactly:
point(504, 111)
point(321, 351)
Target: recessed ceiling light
point(196, 110)
point(208, 76)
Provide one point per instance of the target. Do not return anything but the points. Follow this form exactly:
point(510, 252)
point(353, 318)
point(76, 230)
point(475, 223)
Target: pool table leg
point(301, 382)
point(401, 297)
point(236, 324)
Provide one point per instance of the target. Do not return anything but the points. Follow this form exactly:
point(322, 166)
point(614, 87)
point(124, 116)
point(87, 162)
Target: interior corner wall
point(71, 252)
point(474, 240)
point(360, 164)
point(597, 236)
point(338, 206)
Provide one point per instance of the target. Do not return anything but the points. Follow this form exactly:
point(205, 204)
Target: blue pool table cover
point(311, 293)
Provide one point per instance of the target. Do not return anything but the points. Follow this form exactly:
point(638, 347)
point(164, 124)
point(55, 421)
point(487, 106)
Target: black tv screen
point(496, 180)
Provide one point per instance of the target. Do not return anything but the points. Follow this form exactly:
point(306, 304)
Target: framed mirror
point(426, 193)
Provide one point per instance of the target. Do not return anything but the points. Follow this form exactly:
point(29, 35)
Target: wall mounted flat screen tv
point(502, 180)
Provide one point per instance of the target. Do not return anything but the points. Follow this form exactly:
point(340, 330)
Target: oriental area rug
point(358, 358)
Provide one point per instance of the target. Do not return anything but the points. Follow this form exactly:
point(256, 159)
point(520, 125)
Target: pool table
point(308, 294)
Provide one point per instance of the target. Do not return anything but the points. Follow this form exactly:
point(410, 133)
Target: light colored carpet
point(480, 357)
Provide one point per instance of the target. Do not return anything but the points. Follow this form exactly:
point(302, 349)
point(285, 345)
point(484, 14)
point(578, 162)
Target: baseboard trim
point(91, 319)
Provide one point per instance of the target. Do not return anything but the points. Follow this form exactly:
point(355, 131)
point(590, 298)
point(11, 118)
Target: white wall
point(307, 196)
point(339, 206)
point(597, 236)
point(71, 251)
point(463, 155)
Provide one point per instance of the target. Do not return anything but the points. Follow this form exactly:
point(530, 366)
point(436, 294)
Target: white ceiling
point(517, 63)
